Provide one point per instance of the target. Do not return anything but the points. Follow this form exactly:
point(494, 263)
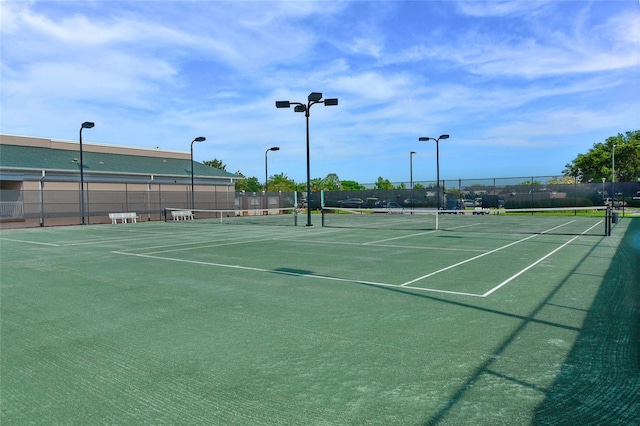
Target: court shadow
point(600, 379)
point(293, 271)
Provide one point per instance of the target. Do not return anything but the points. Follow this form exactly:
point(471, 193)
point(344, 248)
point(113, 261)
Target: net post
point(164, 213)
point(322, 210)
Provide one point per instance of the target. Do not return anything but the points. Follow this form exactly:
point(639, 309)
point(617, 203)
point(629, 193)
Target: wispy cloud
point(493, 74)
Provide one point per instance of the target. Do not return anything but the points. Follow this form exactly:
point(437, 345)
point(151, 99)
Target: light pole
point(425, 139)
point(411, 176)
point(85, 125)
point(411, 168)
point(312, 99)
point(613, 174)
point(198, 139)
point(266, 168)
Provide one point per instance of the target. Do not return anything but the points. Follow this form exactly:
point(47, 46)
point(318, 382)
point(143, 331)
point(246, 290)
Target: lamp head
point(200, 139)
point(274, 148)
point(444, 137)
point(314, 96)
point(300, 108)
point(331, 102)
point(88, 125)
point(424, 139)
point(283, 104)
point(412, 152)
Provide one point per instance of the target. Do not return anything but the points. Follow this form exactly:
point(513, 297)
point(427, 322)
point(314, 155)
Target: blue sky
point(521, 86)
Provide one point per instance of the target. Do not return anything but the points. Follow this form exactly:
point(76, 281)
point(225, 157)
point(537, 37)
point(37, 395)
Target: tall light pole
point(613, 173)
point(411, 177)
point(85, 125)
point(198, 139)
point(425, 139)
point(411, 168)
point(266, 168)
point(312, 99)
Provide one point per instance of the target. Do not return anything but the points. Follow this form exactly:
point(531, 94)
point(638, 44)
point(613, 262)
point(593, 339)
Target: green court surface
point(202, 323)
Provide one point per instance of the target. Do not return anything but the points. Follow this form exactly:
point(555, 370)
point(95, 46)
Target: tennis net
point(562, 221)
point(283, 216)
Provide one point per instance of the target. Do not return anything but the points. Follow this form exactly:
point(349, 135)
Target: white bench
point(123, 217)
point(182, 214)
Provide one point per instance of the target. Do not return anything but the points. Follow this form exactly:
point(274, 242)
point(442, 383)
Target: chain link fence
point(63, 207)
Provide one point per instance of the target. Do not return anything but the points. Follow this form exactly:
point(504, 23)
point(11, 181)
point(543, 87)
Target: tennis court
point(207, 322)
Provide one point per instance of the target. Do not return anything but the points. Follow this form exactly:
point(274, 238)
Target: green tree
point(281, 182)
point(418, 186)
point(383, 184)
point(351, 185)
point(331, 182)
point(565, 180)
point(597, 162)
point(251, 184)
point(218, 164)
point(316, 184)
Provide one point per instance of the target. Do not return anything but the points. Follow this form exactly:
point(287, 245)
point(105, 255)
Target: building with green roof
point(41, 177)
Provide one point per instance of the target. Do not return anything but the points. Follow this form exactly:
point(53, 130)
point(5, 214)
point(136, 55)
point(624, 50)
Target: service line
point(455, 265)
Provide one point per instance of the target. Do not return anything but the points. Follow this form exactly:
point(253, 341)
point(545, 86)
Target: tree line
point(588, 167)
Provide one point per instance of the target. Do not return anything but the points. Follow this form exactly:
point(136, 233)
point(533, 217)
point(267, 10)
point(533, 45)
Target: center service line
point(480, 255)
point(536, 262)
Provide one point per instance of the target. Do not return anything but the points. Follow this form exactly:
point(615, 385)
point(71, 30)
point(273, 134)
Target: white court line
point(149, 236)
point(399, 238)
point(482, 255)
point(31, 242)
point(295, 274)
point(508, 280)
point(346, 243)
point(223, 240)
point(214, 244)
point(527, 268)
point(416, 235)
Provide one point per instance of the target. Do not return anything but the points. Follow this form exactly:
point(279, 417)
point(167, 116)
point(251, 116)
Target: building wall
point(55, 198)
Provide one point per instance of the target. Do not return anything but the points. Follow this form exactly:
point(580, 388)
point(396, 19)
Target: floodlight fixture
point(88, 125)
point(283, 104)
point(300, 108)
point(331, 102)
point(314, 97)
